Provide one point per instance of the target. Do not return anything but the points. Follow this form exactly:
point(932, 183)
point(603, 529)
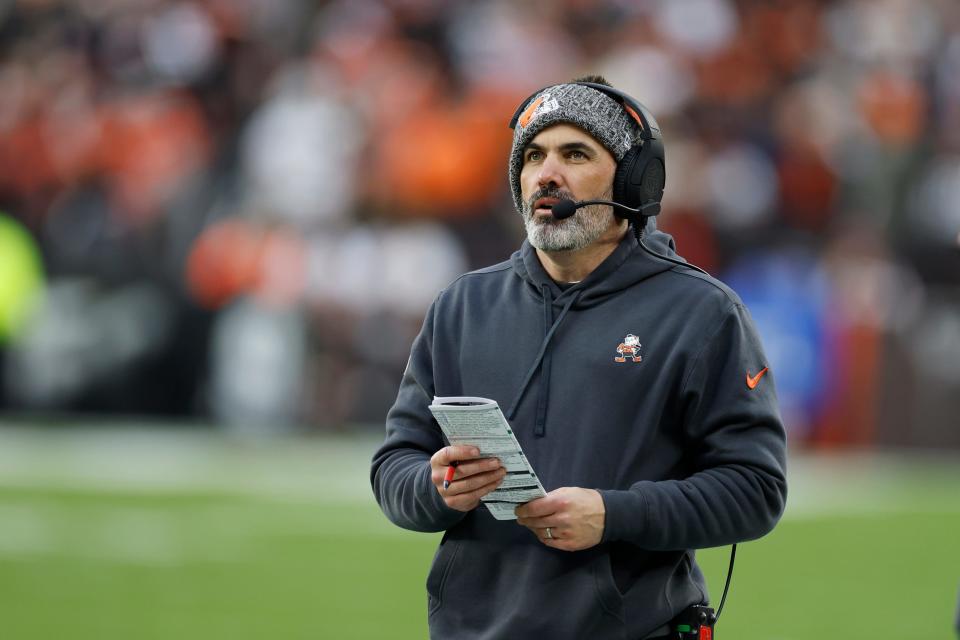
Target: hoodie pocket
point(682, 589)
point(692, 577)
point(439, 570)
point(607, 592)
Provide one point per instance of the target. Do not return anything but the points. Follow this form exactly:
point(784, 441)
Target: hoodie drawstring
point(542, 362)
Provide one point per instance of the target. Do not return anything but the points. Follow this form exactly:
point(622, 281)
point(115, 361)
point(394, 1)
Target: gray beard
point(576, 232)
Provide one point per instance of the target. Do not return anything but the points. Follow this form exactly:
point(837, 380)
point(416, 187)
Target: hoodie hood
point(615, 273)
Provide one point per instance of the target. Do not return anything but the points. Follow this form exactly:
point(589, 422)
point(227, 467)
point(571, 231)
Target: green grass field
point(107, 534)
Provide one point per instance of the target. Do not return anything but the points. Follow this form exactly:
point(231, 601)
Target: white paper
point(502, 510)
point(479, 422)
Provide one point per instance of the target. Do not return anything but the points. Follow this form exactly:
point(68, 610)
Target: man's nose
point(550, 173)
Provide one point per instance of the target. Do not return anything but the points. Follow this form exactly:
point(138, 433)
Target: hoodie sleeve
point(737, 445)
point(400, 472)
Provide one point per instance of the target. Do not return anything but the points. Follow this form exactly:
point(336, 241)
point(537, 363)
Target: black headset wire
point(726, 585)
point(638, 228)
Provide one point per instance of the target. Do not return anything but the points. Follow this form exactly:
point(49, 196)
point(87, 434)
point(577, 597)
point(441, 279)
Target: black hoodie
point(684, 452)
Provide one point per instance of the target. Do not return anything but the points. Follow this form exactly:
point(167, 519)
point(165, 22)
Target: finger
point(561, 539)
point(554, 535)
point(484, 490)
point(541, 533)
point(466, 469)
point(466, 501)
point(537, 508)
point(561, 544)
point(539, 523)
point(453, 453)
point(474, 482)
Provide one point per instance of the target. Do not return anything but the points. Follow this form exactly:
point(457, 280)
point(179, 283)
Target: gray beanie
point(593, 111)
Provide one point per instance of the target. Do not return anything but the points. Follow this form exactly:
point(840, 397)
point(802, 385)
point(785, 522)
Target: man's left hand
point(569, 518)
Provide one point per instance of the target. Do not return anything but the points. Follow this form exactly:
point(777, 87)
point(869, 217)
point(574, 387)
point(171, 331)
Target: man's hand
point(574, 517)
point(474, 477)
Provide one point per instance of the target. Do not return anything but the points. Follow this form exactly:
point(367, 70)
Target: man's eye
point(578, 155)
point(533, 155)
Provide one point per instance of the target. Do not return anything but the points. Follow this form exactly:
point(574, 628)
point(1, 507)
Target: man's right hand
point(474, 477)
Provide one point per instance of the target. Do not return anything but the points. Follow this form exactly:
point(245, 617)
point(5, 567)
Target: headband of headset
point(649, 129)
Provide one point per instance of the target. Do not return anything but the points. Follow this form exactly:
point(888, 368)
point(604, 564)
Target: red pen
point(447, 479)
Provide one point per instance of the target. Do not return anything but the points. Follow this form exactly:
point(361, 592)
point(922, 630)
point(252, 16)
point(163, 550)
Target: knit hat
point(585, 107)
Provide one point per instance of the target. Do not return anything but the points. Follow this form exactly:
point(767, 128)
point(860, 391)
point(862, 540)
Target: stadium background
point(222, 220)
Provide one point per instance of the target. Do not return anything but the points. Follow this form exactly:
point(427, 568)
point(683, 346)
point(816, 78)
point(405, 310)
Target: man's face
point(564, 162)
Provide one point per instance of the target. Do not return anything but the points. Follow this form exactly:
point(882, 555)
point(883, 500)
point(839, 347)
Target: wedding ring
point(549, 534)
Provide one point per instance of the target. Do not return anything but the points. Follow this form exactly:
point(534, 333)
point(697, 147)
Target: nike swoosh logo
point(754, 380)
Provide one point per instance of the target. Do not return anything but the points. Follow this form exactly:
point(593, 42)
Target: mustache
point(548, 192)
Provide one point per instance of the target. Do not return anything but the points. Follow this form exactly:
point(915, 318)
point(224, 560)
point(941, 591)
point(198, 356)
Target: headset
point(642, 173)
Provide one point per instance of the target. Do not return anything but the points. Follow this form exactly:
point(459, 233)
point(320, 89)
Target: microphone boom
point(566, 208)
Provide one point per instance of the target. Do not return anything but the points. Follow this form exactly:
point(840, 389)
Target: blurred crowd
point(239, 210)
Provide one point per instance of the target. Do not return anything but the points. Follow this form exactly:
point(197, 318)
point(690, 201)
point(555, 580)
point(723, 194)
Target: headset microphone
point(566, 208)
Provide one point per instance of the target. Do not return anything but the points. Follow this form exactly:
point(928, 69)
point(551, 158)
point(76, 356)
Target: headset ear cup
point(652, 181)
point(641, 176)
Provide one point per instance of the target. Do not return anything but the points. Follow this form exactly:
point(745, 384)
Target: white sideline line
point(311, 469)
point(334, 470)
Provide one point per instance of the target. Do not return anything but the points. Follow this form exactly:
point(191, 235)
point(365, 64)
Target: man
point(678, 447)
